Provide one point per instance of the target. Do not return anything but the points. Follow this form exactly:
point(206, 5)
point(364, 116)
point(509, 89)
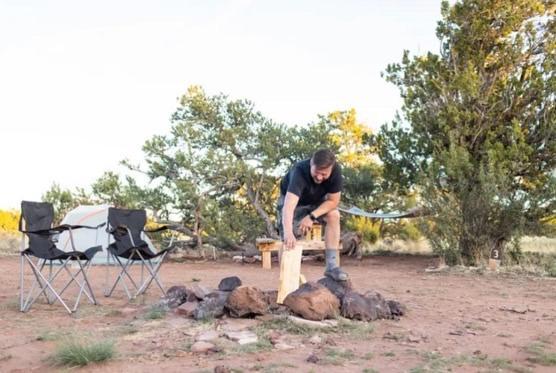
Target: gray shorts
point(299, 213)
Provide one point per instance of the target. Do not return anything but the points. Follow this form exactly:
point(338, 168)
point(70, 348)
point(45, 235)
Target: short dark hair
point(323, 158)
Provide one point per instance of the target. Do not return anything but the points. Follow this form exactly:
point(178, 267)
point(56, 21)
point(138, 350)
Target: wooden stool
point(290, 261)
point(312, 242)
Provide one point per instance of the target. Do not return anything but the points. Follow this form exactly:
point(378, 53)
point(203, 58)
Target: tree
point(62, 201)
point(478, 133)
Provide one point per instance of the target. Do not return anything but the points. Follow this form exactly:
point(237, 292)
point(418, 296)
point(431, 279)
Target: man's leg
point(332, 243)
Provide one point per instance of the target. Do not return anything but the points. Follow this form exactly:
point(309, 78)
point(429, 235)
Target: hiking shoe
point(336, 274)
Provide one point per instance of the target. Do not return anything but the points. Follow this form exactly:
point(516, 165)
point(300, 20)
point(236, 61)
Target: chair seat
point(131, 253)
point(57, 254)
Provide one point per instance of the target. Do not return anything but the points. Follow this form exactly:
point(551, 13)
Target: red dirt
point(455, 321)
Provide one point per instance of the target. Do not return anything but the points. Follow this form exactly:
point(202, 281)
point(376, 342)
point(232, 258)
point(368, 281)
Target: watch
point(313, 217)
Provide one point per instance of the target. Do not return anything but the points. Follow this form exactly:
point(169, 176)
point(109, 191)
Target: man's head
point(322, 164)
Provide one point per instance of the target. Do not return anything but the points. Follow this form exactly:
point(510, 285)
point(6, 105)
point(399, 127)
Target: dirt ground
point(458, 321)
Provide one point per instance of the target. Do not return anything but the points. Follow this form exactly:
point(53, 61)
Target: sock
point(330, 255)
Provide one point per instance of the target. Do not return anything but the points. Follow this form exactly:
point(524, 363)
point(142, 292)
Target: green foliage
point(62, 200)
point(478, 134)
point(539, 355)
point(155, 313)
point(73, 353)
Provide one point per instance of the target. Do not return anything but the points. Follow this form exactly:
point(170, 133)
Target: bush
point(370, 231)
point(9, 220)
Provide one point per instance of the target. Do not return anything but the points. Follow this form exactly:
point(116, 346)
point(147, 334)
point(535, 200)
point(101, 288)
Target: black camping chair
point(127, 227)
point(36, 223)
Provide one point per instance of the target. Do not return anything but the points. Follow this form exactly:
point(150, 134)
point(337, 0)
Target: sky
point(83, 84)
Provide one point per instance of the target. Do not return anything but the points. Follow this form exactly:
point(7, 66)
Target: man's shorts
point(299, 213)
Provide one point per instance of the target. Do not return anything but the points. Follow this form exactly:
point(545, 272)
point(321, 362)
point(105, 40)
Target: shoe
point(336, 274)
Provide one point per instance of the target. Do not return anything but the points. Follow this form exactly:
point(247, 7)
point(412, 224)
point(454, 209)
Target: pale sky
point(83, 84)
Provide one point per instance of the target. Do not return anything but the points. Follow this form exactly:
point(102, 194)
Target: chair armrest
point(122, 227)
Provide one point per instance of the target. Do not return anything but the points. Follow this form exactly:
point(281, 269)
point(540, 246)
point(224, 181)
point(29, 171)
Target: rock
point(368, 307)
point(187, 309)
point(212, 306)
point(229, 283)
point(338, 288)
point(221, 369)
point(315, 340)
point(381, 305)
point(351, 244)
point(243, 337)
point(200, 291)
point(174, 297)
point(246, 301)
point(236, 325)
point(270, 297)
point(396, 308)
point(207, 336)
point(313, 301)
point(312, 358)
point(313, 324)
point(202, 347)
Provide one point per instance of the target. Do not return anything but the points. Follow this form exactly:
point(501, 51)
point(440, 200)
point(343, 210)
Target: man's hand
point(305, 224)
point(289, 240)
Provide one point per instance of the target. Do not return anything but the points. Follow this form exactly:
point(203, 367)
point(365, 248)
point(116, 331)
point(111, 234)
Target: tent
point(85, 238)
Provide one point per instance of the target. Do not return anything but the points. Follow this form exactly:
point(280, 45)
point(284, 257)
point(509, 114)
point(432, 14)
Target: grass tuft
point(539, 355)
point(72, 353)
point(155, 313)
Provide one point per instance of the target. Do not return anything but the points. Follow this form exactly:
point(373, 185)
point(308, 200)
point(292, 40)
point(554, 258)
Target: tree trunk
point(270, 229)
point(197, 230)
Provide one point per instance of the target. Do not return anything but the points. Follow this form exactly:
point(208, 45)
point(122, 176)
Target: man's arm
point(290, 202)
point(332, 202)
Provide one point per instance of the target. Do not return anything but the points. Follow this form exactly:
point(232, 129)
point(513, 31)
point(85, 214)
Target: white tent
point(85, 238)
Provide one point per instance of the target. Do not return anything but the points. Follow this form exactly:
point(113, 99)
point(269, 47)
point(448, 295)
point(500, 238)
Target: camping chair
point(42, 237)
point(127, 227)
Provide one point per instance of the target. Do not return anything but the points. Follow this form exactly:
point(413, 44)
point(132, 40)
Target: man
point(310, 192)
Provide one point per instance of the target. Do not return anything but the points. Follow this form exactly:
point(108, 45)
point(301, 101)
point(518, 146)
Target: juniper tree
point(477, 136)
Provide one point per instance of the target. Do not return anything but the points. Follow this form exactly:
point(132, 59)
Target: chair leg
point(153, 274)
point(21, 282)
point(79, 284)
point(83, 271)
point(46, 285)
point(32, 299)
point(120, 277)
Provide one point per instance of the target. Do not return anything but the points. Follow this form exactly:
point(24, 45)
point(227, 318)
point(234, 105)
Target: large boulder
point(313, 301)
point(246, 301)
point(212, 306)
point(229, 283)
point(368, 307)
point(338, 288)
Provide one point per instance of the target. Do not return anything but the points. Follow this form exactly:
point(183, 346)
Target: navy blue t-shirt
point(299, 182)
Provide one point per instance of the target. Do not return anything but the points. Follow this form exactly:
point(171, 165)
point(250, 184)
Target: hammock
point(374, 215)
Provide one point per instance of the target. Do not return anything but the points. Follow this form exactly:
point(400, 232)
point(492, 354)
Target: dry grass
point(388, 246)
point(9, 243)
point(545, 245)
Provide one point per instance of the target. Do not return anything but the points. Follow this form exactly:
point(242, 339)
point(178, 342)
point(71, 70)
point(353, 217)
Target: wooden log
point(290, 272)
